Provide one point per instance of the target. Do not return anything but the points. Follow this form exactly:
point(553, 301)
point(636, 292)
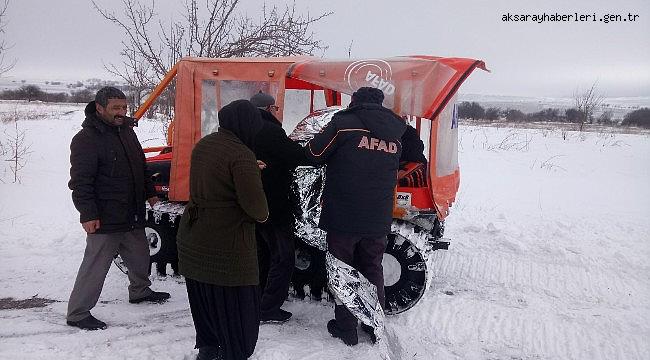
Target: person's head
point(110, 103)
point(265, 102)
point(242, 119)
point(367, 95)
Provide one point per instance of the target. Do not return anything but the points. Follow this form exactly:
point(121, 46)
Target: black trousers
point(364, 253)
point(280, 257)
point(225, 317)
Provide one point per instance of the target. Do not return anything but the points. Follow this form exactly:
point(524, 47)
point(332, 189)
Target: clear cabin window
point(216, 94)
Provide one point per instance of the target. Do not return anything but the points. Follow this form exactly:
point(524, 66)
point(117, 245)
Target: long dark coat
point(216, 236)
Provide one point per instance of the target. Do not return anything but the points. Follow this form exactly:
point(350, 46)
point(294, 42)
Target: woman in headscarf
point(216, 237)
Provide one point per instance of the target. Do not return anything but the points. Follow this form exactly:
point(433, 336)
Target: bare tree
point(4, 67)
point(17, 149)
point(210, 28)
point(586, 102)
point(136, 75)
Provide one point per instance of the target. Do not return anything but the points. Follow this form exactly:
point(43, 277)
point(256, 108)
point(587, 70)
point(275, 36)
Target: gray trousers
point(132, 246)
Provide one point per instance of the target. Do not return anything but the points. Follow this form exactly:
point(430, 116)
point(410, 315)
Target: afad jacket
point(361, 147)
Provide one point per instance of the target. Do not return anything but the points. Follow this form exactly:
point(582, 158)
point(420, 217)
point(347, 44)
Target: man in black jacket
point(361, 147)
point(109, 184)
point(281, 156)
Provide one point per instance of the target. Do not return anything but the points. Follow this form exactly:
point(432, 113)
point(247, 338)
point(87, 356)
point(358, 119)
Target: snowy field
point(549, 259)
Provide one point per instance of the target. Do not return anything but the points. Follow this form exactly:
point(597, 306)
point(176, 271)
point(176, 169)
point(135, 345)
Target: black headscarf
point(242, 119)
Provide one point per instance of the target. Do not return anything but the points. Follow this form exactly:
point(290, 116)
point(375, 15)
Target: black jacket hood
point(91, 109)
point(93, 120)
point(381, 121)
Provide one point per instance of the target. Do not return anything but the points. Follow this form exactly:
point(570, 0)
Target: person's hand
point(153, 200)
point(91, 226)
point(261, 164)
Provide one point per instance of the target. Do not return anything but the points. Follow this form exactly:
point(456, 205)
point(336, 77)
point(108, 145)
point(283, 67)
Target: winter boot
point(155, 297)
point(370, 331)
point(280, 317)
point(349, 337)
point(88, 323)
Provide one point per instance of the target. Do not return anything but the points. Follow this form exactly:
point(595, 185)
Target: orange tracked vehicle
point(421, 89)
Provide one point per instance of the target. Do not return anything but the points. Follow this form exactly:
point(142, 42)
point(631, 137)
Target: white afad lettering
point(373, 143)
point(392, 147)
point(377, 145)
point(380, 83)
point(383, 84)
point(364, 143)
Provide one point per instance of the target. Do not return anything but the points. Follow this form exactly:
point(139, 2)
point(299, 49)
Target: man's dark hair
point(106, 93)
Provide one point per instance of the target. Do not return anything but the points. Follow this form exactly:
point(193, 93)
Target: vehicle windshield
point(410, 85)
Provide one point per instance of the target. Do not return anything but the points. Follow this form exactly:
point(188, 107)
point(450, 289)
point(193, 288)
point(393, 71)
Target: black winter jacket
point(281, 156)
point(412, 147)
point(108, 175)
point(361, 147)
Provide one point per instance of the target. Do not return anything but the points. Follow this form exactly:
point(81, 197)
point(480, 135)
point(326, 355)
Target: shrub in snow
point(573, 115)
point(471, 110)
point(493, 113)
point(640, 118)
point(515, 115)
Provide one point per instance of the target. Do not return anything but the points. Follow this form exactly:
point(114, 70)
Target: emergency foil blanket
point(308, 182)
point(356, 293)
point(306, 191)
point(346, 283)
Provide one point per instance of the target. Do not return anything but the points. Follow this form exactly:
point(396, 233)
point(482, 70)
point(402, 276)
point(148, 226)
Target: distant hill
point(57, 85)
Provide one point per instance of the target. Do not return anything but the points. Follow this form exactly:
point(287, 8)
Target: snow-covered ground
point(549, 259)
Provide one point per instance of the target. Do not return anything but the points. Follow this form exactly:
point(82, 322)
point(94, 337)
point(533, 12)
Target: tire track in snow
point(475, 328)
point(524, 307)
point(590, 283)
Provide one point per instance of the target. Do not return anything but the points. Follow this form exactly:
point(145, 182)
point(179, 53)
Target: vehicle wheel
point(162, 245)
point(405, 274)
point(405, 270)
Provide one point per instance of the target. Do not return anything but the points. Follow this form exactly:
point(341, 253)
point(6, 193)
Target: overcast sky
point(68, 39)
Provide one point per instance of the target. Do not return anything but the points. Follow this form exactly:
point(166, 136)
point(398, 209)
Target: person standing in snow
point(110, 184)
point(217, 252)
point(361, 147)
point(281, 156)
